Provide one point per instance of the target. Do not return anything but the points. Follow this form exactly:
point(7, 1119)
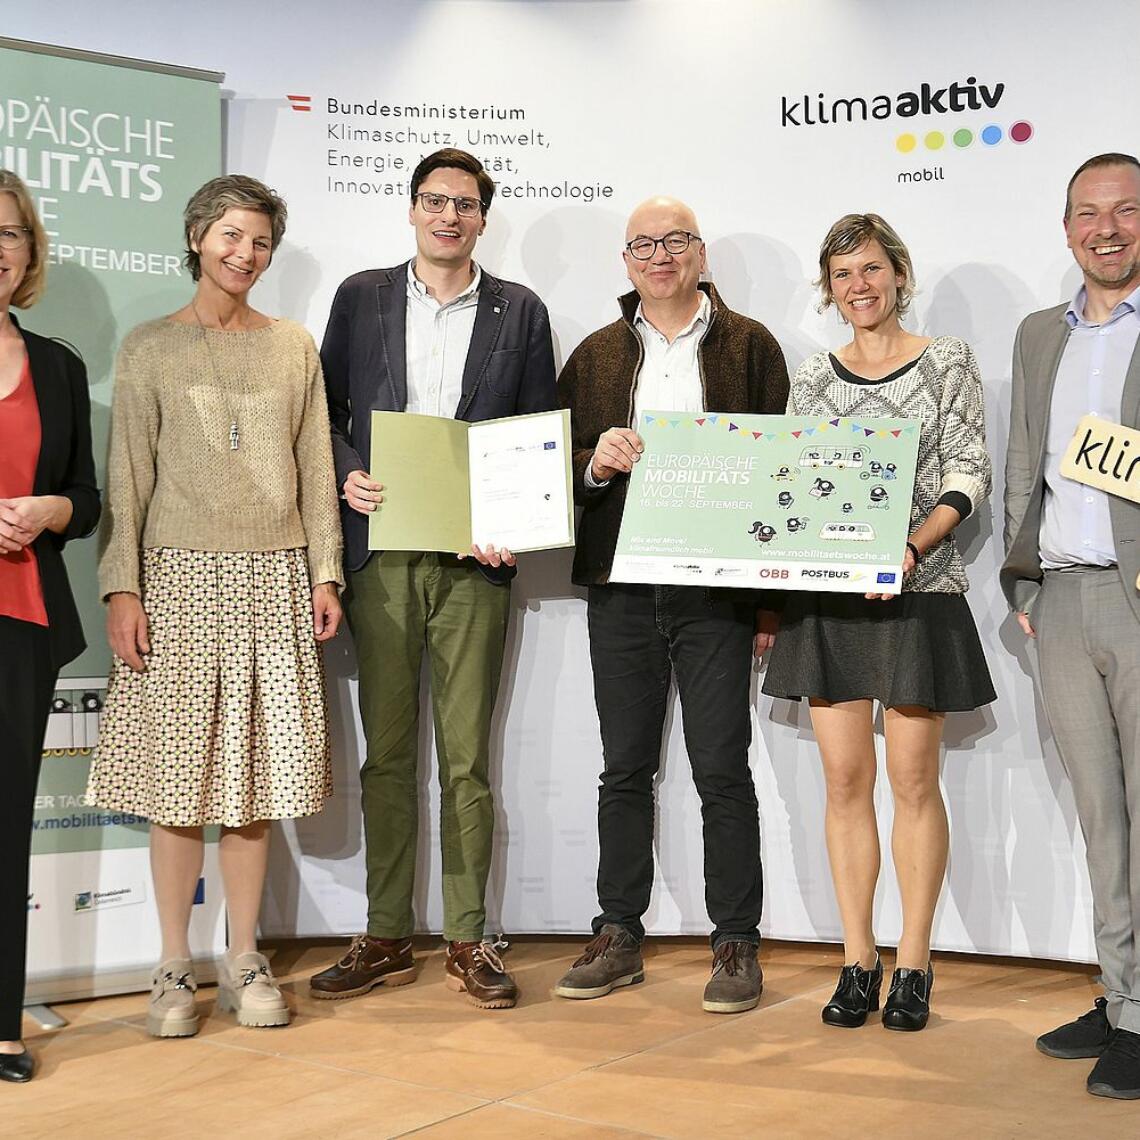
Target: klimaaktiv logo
point(954, 98)
point(957, 98)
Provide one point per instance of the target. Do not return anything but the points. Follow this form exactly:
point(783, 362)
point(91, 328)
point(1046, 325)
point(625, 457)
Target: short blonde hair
point(31, 289)
point(230, 191)
point(850, 234)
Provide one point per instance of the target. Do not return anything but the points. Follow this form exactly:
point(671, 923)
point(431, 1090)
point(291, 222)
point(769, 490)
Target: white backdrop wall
point(704, 101)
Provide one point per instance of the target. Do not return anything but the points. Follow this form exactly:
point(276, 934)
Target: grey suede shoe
point(611, 958)
point(736, 981)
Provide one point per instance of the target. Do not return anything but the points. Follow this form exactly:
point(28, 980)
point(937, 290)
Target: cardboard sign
point(779, 502)
point(1104, 455)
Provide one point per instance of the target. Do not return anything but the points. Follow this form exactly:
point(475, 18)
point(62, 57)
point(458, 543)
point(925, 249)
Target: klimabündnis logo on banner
point(116, 896)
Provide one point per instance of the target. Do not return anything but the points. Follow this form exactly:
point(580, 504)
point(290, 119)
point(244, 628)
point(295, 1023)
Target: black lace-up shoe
point(1085, 1037)
point(856, 995)
point(1117, 1073)
point(908, 1002)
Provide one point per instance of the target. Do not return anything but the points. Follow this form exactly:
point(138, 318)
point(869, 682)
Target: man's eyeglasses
point(643, 248)
point(13, 237)
point(437, 203)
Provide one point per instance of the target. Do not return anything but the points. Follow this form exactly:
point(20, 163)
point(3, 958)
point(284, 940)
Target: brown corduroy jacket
point(742, 370)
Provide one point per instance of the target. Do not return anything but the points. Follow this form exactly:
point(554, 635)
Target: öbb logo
point(772, 572)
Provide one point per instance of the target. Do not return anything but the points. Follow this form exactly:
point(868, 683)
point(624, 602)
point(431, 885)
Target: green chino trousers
point(399, 603)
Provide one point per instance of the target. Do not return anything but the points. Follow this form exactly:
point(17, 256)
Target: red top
point(21, 595)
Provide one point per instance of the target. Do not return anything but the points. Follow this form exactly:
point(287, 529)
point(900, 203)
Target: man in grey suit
point(437, 335)
point(1070, 574)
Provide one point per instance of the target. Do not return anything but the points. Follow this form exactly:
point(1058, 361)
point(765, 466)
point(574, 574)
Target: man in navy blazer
point(440, 336)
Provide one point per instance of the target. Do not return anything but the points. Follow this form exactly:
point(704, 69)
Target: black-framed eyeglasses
point(437, 203)
point(676, 241)
point(14, 237)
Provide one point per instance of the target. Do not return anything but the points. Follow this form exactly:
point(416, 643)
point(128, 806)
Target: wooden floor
point(645, 1061)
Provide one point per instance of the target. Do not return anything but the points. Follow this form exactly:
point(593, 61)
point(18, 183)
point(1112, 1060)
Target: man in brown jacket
point(677, 347)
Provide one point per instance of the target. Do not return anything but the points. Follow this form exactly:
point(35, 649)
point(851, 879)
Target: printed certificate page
point(520, 482)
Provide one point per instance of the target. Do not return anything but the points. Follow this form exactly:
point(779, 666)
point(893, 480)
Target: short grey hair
point(850, 234)
point(229, 192)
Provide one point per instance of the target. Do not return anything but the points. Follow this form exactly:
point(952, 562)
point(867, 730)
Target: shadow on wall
point(797, 776)
point(335, 834)
point(76, 309)
point(571, 254)
point(290, 284)
point(764, 279)
point(250, 127)
point(961, 296)
point(543, 583)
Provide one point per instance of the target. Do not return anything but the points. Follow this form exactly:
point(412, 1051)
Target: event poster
point(789, 502)
point(111, 150)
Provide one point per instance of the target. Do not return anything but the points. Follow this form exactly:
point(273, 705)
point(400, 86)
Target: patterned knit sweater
point(944, 391)
point(174, 480)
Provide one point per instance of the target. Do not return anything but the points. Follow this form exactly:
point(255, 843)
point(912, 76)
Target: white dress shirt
point(438, 337)
point(670, 375)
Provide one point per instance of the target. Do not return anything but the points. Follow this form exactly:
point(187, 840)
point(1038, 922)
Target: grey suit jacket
point(1036, 357)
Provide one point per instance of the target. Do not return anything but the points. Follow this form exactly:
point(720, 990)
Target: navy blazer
point(509, 370)
point(65, 467)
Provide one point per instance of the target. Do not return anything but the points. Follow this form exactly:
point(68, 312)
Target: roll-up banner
point(111, 149)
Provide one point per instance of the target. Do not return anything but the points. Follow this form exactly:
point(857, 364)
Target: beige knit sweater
point(173, 479)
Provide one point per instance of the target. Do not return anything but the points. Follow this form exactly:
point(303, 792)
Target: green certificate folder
point(448, 483)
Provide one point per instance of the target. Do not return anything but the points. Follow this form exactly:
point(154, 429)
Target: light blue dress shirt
point(1076, 529)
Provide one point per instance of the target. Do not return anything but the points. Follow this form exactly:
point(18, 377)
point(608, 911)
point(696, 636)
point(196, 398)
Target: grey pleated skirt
point(917, 649)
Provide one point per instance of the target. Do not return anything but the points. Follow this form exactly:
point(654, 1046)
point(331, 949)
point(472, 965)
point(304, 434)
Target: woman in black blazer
point(47, 496)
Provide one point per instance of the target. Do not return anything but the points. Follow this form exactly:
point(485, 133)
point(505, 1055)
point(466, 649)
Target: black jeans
point(639, 636)
point(27, 681)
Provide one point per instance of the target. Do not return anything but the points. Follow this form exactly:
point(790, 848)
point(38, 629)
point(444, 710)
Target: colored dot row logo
point(990, 135)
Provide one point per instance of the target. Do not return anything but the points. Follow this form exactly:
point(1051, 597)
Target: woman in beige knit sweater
point(220, 563)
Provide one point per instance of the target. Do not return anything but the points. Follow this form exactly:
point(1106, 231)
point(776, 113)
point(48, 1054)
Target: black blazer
point(509, 371)
point(65, 467)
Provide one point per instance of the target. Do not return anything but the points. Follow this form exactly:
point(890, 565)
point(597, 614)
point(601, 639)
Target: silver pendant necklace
point(235, 433)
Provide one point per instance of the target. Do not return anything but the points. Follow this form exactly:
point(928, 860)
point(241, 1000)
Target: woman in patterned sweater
point(918, 654)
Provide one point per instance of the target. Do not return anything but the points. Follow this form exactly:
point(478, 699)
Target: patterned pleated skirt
point(918, 649)
point(228, 723)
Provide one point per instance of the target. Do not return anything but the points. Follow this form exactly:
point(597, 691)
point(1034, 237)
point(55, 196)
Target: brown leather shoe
point(369, 962)
point(474, 968)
